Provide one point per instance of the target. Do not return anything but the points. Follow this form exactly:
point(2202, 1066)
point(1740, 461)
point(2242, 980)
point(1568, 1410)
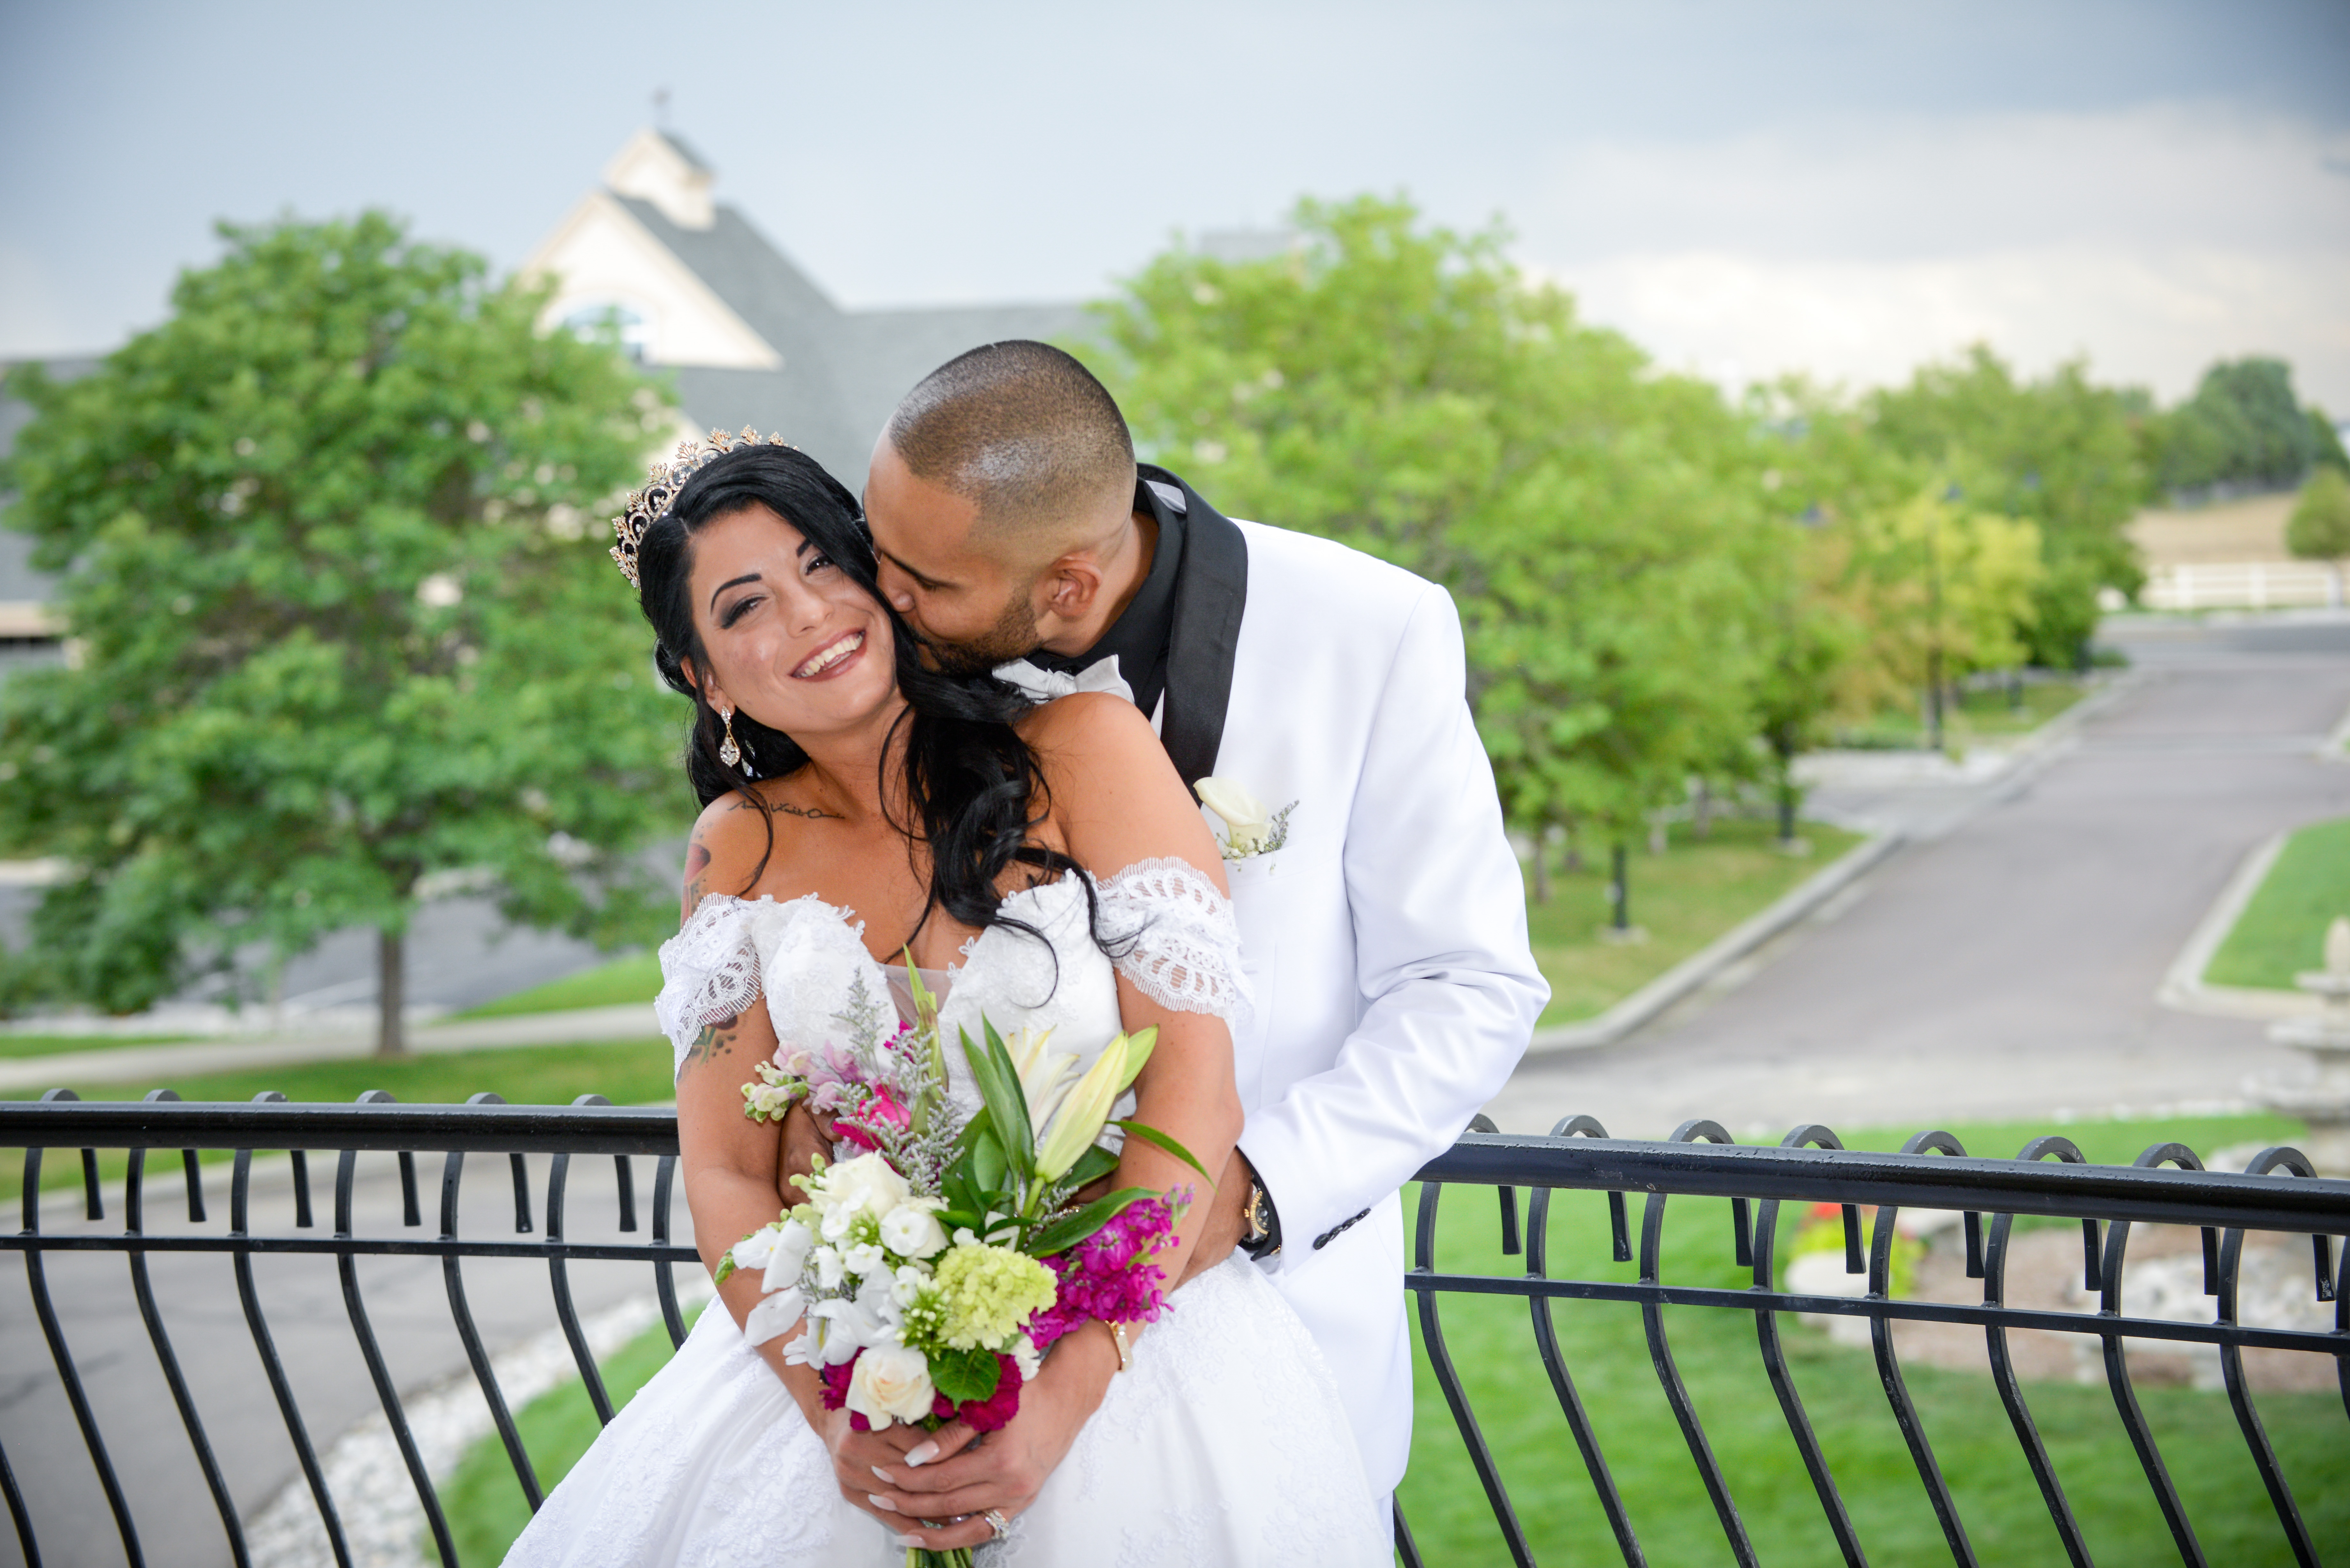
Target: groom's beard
point(1014, 636)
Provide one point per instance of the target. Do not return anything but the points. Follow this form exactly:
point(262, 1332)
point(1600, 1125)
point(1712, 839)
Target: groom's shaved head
point(1029, 437)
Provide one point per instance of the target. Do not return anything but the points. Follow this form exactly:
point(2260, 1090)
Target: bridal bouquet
point(935, 1267)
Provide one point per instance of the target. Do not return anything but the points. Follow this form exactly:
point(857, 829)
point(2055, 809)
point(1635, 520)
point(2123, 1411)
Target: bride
point(859, 808)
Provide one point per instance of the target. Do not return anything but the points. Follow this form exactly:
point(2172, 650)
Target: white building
point(749, 338)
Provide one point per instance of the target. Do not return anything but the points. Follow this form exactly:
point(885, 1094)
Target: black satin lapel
point(1206, 634)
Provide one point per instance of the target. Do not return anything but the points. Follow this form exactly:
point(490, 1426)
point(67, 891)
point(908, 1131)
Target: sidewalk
point(131, 1064)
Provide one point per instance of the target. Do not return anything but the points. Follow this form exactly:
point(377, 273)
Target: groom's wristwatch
point(1261, 1240)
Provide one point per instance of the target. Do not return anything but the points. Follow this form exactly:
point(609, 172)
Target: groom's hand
point(1011, 1467)
point(1227, 1219)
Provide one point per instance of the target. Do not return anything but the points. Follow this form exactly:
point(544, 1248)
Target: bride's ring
point(997, 1522)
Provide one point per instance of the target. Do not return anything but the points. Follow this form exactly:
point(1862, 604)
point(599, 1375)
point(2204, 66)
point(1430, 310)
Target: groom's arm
point(1440, 916)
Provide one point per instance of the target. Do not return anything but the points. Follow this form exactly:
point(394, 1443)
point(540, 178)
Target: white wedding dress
point(1224, 1445)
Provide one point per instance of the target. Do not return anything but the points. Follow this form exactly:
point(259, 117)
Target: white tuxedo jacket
point(1387, 938)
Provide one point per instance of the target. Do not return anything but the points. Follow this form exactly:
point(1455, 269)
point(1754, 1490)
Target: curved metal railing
point(1700, 1161)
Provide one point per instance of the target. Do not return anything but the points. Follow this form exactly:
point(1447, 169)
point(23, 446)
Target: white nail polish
point(922, 1454)
point(883, 1503)
point(887, 1478)
point(907, 1539)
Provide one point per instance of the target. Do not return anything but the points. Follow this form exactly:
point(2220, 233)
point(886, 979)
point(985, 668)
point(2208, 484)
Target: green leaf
point(1094, 1164)
point(1062, 1234)
point(999, 1089)
point(988, 1165)
point(964, 1375)
point(725, 1269)
point(1158, 1139)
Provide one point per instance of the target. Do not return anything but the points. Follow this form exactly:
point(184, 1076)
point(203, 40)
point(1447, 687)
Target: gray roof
point(843, 370)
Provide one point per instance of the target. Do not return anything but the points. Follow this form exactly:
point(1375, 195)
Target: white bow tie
point(1043, 685)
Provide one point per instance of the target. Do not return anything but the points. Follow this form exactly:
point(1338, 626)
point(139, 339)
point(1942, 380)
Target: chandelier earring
point(727, 752)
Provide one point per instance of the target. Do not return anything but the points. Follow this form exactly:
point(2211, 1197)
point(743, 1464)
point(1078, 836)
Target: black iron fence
point(2278, 1193)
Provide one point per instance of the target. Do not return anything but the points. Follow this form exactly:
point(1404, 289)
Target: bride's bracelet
point(1125, 1351)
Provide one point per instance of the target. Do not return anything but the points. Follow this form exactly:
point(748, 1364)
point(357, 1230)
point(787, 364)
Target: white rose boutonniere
point(1249, 827)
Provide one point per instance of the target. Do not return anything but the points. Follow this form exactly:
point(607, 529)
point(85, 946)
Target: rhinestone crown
point(647, 506)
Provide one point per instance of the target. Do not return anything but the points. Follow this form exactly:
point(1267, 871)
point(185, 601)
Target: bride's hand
point(961, 1480)
point(805, 1135)
point(858, 1458)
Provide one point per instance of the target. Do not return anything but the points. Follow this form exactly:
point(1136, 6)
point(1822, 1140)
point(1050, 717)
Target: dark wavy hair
point(973, 786)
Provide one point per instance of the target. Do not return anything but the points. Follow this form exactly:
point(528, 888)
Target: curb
point(2182, 989)
point(582, 1026)
point(1693, 971)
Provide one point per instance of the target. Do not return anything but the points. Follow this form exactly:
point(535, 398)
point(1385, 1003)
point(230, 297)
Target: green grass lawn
point(1683, 898)
point(632, 1072)
point(2282, 930)
point(633, 977)
point(14, 1045)
point(1977, 716)
point(1607, 1354)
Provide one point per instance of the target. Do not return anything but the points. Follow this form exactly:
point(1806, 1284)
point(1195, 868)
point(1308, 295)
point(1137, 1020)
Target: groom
point(1383, 923)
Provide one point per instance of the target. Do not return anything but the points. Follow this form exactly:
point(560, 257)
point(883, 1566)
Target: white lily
point(1046, 1076)
point(1088, 1105)
point(794, 1241)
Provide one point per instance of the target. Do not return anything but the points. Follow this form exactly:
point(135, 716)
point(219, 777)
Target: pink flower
point(1112, 1274)
point(991, 1413)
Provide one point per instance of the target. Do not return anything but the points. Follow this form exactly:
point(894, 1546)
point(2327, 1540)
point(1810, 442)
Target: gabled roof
point(843, 370)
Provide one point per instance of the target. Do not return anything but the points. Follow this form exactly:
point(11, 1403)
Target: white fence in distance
point(2243, 585)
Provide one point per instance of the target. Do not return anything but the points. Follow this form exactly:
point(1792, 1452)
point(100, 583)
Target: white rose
point(891, 1383)
point(774, 1314)
point(1246, 820)
point(913, 1231)
point(829, 1269)
point(864, 1260)
point(866, 1184)
point(792, 1244)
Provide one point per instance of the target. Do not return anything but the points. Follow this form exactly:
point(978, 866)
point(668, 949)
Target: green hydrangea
point(986, 1294)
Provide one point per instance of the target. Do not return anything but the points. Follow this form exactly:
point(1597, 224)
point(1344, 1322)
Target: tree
point(2060, 452)
point(1402, 388)
point(2319, 529)
point(336, 621)
point(2242, 427)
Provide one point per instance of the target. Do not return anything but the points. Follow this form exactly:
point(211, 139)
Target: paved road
point(407, 1306)
point(2007, 967)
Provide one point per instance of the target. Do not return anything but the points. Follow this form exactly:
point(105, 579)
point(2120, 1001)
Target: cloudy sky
point(1846, 188)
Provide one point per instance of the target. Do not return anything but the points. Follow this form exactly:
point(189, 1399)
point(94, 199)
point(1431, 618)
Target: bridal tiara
point(648, 505)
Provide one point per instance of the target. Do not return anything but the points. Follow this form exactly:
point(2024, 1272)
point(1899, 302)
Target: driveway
point(2004, 967)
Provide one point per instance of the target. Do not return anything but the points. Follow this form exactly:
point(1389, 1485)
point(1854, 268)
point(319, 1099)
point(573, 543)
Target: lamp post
point(1934, 622)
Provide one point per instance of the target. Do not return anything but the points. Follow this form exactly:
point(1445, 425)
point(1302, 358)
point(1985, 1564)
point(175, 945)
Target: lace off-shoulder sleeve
point(710, 972)
point(1183, 947)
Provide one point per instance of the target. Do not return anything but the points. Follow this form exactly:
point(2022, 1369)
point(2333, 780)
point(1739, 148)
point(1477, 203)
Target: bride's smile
point(790, 637)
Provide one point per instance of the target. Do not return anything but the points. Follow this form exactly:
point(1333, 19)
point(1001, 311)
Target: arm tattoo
point(715, 1040)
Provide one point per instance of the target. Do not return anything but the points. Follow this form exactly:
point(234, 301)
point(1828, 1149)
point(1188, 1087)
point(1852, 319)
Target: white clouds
point(1896, 186)
point(2153, 241)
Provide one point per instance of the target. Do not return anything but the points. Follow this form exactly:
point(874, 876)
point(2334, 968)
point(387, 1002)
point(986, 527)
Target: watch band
point(1264, 1237)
